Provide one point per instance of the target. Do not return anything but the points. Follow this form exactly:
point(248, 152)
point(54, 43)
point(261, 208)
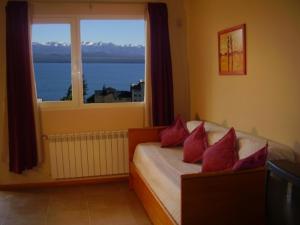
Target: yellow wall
point(266, 101)
point(93, 118)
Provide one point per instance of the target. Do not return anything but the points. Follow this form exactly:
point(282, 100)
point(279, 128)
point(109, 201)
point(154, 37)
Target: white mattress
point(161, 168)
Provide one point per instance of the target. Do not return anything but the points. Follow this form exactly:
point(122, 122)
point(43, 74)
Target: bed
point(174, 192)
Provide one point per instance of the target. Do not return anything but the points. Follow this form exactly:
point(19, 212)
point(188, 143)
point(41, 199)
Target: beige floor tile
point(74, 217)
point(25, 219)
point(139, 213)
point(3, 211)
point(67, 192)
point(58, 205)
point(107, 204)
point(112, 216)
point(5, 194)
point(27, 204)
point(105, 189)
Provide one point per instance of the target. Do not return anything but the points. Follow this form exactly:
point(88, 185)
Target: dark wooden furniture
point(229, 198)
point(283, 193)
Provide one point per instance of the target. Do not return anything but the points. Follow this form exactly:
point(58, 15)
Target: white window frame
point(77, 101)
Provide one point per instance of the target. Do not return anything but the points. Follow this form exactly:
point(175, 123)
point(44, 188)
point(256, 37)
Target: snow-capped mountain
point(89, 47)
point(91, 52)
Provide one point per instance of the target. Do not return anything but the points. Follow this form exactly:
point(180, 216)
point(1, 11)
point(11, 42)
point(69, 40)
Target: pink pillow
point(222, 155)
point(255, 160)
point(195, 145)
point(175, 134)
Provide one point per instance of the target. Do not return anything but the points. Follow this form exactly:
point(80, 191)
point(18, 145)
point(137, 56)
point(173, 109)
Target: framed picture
point(232, 51)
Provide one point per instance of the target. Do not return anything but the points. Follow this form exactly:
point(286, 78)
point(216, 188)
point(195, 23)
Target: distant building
point(109, 95)
point(124, 96)
point(100, 96)
point(137, 91)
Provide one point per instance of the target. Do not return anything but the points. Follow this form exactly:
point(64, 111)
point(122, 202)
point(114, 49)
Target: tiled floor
point(107, 204)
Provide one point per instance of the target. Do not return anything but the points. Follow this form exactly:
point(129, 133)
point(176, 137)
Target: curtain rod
point(88, 2)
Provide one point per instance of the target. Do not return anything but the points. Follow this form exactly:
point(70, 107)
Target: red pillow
point(175, 134)
point(195, 145)
point(222, 155)
point(255, 160)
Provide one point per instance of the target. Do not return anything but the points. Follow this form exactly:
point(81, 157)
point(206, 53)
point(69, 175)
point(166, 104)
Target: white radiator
point(88, 154)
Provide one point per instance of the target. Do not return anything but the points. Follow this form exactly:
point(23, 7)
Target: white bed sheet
point(161, 168)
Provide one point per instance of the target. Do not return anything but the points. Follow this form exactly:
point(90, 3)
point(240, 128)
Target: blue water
point(54, 79)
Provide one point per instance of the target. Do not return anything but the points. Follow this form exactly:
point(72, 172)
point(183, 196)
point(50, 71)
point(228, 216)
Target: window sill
point(56, 106)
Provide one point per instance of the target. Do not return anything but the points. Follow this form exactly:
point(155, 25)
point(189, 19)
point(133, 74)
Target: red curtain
point(161, 66)
point(21, 123)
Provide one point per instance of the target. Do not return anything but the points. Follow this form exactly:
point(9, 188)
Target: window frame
point(77, 101)
point(74, 70)
point(107, 17)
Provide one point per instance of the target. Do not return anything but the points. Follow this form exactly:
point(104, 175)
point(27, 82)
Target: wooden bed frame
point(217, 198)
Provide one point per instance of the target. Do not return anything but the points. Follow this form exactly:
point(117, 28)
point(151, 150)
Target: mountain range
point(92, 52)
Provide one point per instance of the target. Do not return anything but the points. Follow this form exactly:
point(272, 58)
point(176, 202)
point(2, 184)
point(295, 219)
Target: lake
point(54, 79)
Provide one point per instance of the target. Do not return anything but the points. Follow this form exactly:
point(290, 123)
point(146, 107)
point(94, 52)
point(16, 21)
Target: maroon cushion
point(175, 134)
point(222, 155)
point(255, 160)
point(195, 145)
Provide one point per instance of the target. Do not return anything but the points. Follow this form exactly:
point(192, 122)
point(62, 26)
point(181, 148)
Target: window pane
point(113, 59)
point(51, 45)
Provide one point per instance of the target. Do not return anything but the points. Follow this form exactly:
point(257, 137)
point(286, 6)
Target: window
point(112, 65)
point(51, 45)
point(113, 59)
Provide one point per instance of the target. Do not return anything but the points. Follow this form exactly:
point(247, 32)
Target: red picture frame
point(232, 51)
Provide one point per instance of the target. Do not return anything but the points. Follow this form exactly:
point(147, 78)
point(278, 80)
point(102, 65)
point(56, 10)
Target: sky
point(116, 31)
